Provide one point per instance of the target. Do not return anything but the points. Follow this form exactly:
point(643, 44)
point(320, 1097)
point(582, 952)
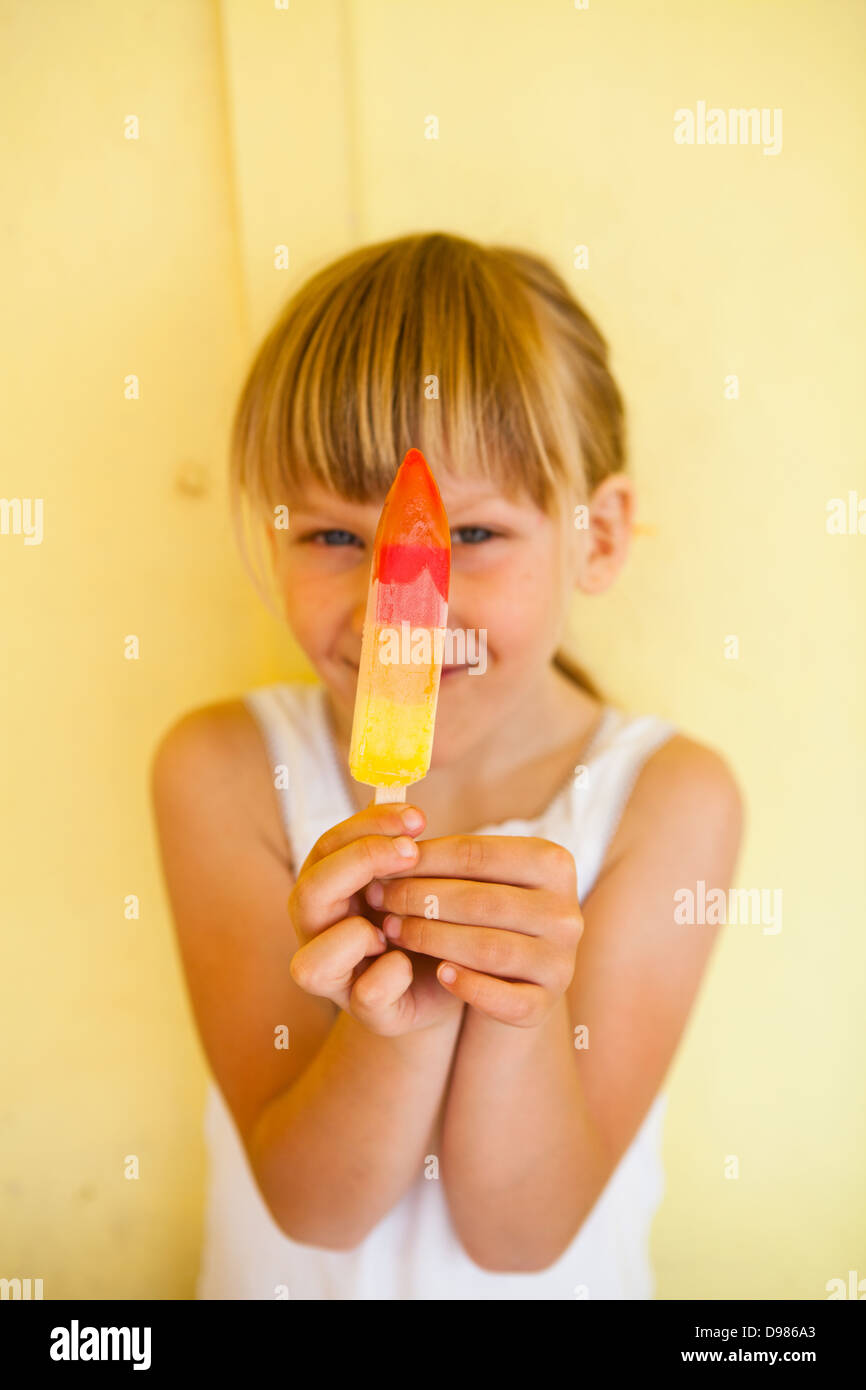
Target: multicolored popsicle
point(404, 635)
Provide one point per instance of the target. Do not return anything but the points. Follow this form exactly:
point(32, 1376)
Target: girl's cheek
point(305, 584)
point(502, 604)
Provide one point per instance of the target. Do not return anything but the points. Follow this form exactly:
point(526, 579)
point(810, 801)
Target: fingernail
point(375, 894)
point(447, 974)
point(412, 819)
point(381, 936)
point(391, 926)
point(403, 845)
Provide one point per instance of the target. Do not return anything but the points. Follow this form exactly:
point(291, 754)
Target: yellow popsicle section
point(392, 735)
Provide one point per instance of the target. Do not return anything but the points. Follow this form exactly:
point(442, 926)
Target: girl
point(463, 1105)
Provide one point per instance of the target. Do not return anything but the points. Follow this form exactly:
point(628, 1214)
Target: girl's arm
point(335, 1125)
point(534, 1127)
point(337, 1149)
point(523, 1159)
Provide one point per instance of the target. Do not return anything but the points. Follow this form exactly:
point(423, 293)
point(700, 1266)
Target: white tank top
point(414, 1252)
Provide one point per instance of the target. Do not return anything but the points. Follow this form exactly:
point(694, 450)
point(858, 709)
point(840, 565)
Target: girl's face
point(512, 574)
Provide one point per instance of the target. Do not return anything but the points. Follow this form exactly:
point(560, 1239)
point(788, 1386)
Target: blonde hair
point(476, 355)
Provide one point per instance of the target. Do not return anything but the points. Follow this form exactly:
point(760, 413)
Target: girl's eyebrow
point(336, 504)
point(491, 506)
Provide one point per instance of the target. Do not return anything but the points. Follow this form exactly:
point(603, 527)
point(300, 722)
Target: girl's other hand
point(507, 920)
point(344, 956)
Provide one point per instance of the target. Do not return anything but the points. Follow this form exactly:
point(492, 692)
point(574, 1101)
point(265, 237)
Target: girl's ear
point(608, 535)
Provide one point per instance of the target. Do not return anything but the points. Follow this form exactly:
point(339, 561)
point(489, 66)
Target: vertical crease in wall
point(232, 167)
point(348, 47)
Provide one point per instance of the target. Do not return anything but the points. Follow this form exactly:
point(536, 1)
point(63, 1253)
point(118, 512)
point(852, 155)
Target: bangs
point(428, 342)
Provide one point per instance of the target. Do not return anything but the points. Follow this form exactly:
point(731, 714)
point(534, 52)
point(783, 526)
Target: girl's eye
point(345, 537)
point(476, 533)
point(470, 535)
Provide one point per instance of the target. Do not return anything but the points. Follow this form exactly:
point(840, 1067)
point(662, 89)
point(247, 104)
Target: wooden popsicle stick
point(386, 794)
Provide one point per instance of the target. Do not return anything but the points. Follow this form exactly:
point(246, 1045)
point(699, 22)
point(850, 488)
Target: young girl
point(465, 1105)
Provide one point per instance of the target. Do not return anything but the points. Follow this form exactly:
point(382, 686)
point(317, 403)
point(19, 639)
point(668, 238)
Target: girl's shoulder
point(228, 734)
point(683, 765)
point(224, 730)
point(216, 751)
point(216, 720)
point(685, 792)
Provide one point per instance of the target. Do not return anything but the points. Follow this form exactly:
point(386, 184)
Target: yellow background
point(305, 127)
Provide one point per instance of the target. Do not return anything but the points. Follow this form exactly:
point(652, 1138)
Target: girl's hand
point(390, 994)
point(501, 914)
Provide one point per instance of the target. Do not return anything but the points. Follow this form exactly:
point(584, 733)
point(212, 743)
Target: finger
point(505, 954)
point(521, 1005)
point(321, 896)
point(325, 964)
point(383, 819)
point(379, 997)
point(524, 861)
point(532, 911)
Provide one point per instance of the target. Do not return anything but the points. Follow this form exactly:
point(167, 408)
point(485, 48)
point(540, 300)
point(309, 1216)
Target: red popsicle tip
point(413, 532)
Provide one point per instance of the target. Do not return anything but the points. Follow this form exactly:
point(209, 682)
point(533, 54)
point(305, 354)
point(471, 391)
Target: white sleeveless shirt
point(414, 1252)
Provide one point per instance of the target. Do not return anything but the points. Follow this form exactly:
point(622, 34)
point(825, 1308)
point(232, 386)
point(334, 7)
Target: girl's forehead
point(456, 492)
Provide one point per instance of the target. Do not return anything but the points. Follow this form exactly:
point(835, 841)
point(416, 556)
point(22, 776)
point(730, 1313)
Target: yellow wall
point(258, 128)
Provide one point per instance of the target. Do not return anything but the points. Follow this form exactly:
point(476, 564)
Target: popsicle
point(403, 639)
